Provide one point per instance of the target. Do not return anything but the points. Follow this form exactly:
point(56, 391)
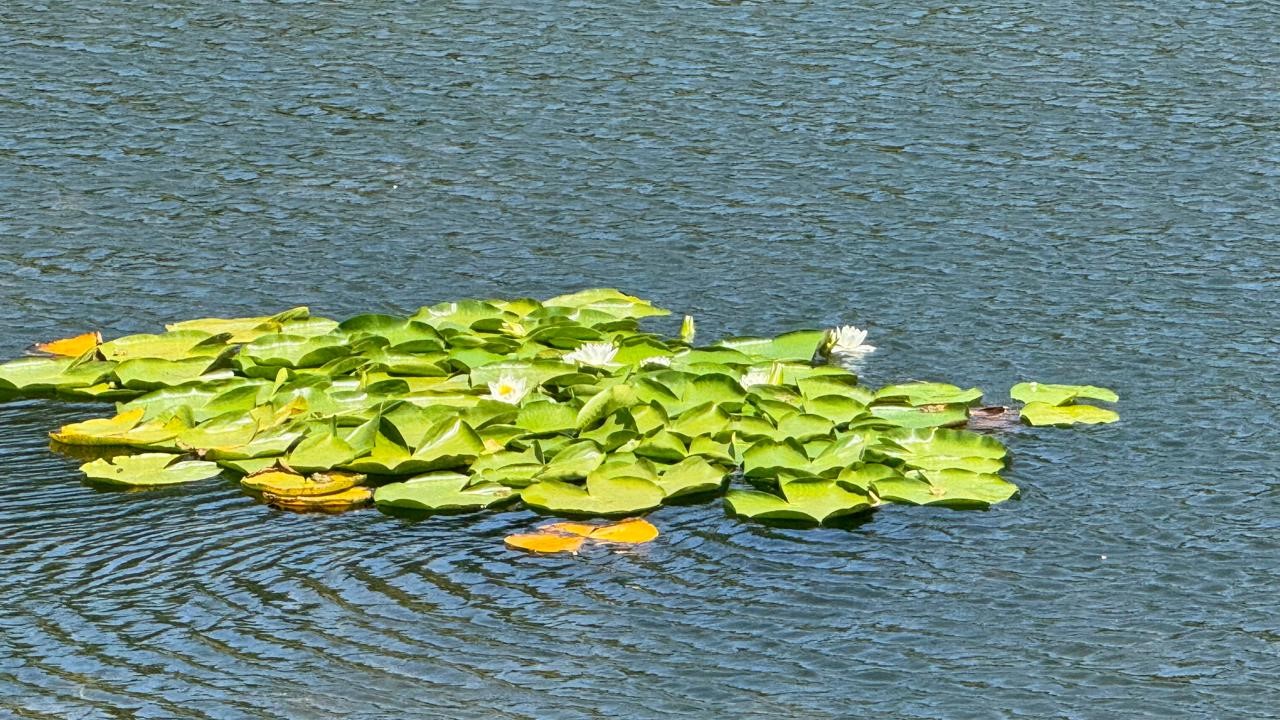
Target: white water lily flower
point(508, 389)
point(597, 354)
point(656, 361)
point(847, 340)
point(755, 376)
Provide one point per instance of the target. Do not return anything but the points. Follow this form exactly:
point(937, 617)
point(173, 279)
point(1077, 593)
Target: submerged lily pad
point(148, 470)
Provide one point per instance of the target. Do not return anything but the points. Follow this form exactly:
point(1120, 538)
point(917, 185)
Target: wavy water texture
point(1085, 192)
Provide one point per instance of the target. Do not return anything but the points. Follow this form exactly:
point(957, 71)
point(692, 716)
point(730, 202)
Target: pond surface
point(1083, 193)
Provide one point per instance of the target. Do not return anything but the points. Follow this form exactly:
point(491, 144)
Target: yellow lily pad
point(348, 499)
point(283, 483)
point(545, 542)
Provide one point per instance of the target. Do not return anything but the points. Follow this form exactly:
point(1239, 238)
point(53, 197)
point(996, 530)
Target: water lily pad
point(443, 492)
point(449, 443)
point(126, 428)
point(608, 301)
point(320, 451)
point(178, 345)
point(151, 373)
point(860, 478)
point(603, 497)
point(946, 488)
point(662, 446)
point(798, 345)
point(401, 334)
point(929, 393)
point(630, 532)
point(605, 403)
point(545, 542)
point(770, 458)
point(938, 448)
point(1029, 392)
point(243, 330)
point(71, 347)
point(547, 418)
point(808, 500)
point(691, 476)
point(706, 419)
point(839, 409)
point(148, 470)
point(1041, 413)
point(295, 351)
point(573, 462)
point(923, 416)
point(285, 483)
point(32, 376)
point(341, 501)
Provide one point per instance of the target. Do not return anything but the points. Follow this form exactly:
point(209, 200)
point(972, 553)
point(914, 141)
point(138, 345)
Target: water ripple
point(1076, 192)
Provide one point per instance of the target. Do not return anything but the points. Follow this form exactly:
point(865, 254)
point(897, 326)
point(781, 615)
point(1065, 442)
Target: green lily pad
point(1029, 392)
point(125, 428)
point(608, 301)
point(607, 497)
point(148, 470)
point(179, 345)
point(544, 418)
point(443, 492)
point(799, 345)
point(770, 458)
point(449, 443)
point(401, 334)
point(605, 403)
point(839, 409)
point(807, 500)
point(319, 452)
point(295, 351)
point(860, 478)
point(946, 488)
point(243, 330)
point(573, 462)
point(929, 393)
point(907, 416)
point(691, 476)
point(662, 446)
point(938, 448)
point(149, 373)
point(1040, 413)
point(706, 419)
point(804, 427)
point(32, 376)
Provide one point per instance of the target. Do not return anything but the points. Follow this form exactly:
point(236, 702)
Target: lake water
point(1083, 193)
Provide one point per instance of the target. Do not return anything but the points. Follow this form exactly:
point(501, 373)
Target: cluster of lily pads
point(564, 405)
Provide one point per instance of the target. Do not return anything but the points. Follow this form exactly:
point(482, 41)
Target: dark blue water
point(1079, 193)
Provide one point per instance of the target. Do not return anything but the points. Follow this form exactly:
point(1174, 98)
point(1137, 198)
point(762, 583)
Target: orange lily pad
point(543, 542)
point(72, 346)
point(570, 536)
point(628, 531)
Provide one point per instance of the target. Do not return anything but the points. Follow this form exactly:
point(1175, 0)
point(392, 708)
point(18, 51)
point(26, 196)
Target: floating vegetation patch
point(567, 406)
